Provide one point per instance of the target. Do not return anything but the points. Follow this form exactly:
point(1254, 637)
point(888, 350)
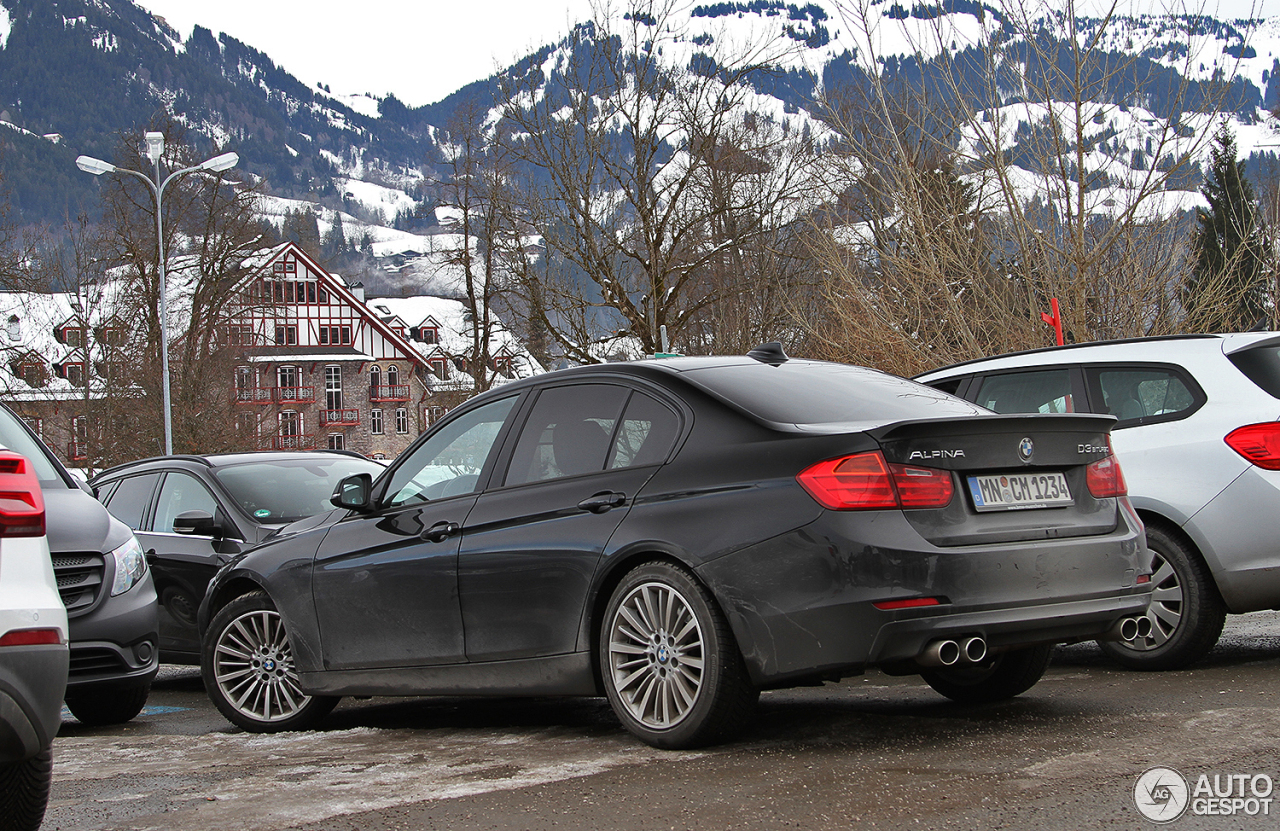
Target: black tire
point(1186, 612)
point(24, 792)
point(247, 664)
point(673, 674)
point(1001, 676)
point(106, 704)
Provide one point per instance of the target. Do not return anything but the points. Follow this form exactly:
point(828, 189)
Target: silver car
point(1199, 442)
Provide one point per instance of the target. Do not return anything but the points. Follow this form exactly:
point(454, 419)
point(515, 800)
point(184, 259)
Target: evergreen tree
point(300, 226)
point(1228, 285)
point(335, 242)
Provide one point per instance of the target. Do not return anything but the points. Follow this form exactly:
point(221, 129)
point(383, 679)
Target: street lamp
point(155, 149)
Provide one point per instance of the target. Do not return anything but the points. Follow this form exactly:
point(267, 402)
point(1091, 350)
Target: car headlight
point(131, 565)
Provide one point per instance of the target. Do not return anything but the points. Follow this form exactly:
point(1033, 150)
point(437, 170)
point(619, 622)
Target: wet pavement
point(869, 752)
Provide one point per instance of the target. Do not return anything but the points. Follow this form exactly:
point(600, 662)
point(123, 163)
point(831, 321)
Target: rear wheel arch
point(616, 571)
point(1153, 519)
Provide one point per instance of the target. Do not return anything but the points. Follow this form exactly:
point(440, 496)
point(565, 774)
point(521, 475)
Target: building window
point(73, 336)
point(429, 334)
point(375, 421)
point(375, 381)
point(286, 267)
point(287, 376)
point(346, 335)
point(322, 294)
point(74, 372)
point(440, 367)
point(503, 367)
point(333, 387)
point(402, 420)
point(36, 424)
point(337, 441)
point(239, 334)
point(286, 335)
point(32, 372)
point(247, 424)
point(430, 415)
point(393, 375)
point(112, 335)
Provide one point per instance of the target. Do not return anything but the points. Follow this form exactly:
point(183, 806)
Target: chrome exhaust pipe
point(1144, 627)
point(1126, 629)
point(943, 653)
point(973, 650)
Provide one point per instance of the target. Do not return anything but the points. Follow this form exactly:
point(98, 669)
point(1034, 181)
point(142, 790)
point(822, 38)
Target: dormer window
point(74, 372)
point(503, 366)
point(429, 334)
point(111, 335)
point(15, 329)
point(73, 336)
point(32, 372)
point(440, 367)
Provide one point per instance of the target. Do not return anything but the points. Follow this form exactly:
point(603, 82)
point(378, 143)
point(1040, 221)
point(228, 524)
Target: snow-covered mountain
point(75, 74)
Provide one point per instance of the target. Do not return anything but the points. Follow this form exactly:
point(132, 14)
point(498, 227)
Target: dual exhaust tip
point(1129, 629)
point(949, 652)
point(973, 650)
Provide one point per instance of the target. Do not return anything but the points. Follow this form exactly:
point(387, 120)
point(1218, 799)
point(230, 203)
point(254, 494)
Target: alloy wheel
point(253, 667)
point(656, 657)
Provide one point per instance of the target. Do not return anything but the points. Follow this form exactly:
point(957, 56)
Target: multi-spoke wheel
point(1186, 611)
point(248, 669)
point(671, 668)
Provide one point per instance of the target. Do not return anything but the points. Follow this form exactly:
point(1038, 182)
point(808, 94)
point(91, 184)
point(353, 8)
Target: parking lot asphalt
point(869, 752)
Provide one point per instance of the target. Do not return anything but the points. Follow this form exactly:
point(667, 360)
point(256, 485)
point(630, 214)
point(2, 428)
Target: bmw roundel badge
point(1026, 449)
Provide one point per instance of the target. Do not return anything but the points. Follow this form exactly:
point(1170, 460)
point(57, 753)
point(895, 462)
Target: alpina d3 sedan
point(677, 535)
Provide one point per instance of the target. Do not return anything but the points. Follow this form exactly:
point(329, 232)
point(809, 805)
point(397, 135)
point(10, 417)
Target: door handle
point(603, 501)
point(441, 531)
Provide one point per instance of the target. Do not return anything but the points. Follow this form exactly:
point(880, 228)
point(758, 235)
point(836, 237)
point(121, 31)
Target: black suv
point(104, 583)
point(194, 513)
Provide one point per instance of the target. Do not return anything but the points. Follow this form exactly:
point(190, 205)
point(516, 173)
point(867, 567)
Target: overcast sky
point(422, 50)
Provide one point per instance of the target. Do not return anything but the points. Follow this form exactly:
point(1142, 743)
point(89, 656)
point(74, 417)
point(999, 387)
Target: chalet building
point(313, 364)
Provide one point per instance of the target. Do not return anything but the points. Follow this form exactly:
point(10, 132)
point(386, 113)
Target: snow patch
point(6, 26)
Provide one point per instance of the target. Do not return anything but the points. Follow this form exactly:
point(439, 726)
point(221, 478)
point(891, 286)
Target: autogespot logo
point(1161, 794)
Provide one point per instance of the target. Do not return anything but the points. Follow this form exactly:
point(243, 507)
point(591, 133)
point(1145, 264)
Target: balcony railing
point(389, 392)
point(253, 395)
point(291, 442)
point(287, 395)
point(333, 418)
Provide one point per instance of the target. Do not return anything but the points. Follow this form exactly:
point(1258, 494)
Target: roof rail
point(186, 457)
point(1065, 347)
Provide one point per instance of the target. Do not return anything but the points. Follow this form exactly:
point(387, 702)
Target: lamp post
point(155, 149)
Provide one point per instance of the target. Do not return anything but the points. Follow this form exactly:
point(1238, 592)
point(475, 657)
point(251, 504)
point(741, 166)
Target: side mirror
point(354, 493)
point(196, 523)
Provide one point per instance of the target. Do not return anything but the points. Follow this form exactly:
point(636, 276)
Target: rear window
point(809, 392)
point(1261, 365)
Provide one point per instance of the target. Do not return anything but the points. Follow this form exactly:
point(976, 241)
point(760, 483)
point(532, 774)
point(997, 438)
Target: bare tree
point(1038, 117)
point(621, 147)
point(210, 227)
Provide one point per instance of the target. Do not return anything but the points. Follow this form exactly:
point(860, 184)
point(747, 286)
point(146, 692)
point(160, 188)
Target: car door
point(531, 546)
point(183, 564)
point(385, 583)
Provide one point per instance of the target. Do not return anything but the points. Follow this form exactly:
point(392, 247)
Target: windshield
point(14, 435)
point(287, 490)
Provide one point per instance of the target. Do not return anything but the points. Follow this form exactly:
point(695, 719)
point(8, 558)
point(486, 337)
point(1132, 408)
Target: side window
point(1130, 393)
point(129, 502)
point(646, 434)
point(181, 492)
point(1038, 391)
point(948, 385)
point(568, 433)
point(449, 462)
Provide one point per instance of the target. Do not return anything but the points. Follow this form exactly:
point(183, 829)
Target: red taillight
point(864, 482)
point(32, 637)
point(908, 603)
point(922, 487)
point(1105, 479)
point(21, 503)
point(1259, 443)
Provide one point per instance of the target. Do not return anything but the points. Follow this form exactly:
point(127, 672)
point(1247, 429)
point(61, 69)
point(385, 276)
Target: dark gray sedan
point(678, 535)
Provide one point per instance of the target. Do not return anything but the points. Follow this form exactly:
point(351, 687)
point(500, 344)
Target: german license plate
point(1019, 491)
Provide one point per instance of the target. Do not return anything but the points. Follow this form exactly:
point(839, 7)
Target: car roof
point(1167, 347)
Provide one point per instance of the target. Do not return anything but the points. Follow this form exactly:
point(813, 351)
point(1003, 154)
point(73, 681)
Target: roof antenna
point(769, 353)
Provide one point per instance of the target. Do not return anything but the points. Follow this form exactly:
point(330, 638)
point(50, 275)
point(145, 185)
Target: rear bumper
point(802, 605)
point(1005, 628)
point(1236, 532)
point(32, 681)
